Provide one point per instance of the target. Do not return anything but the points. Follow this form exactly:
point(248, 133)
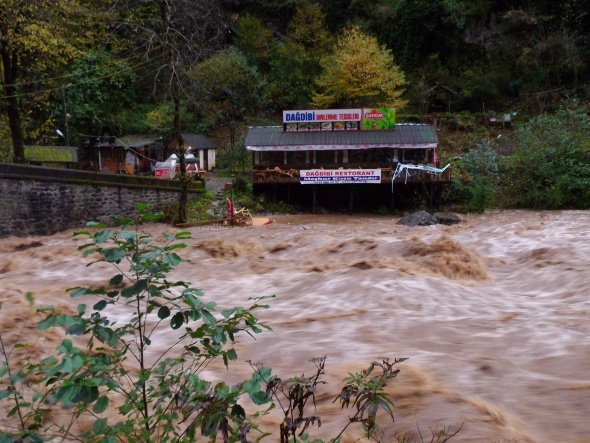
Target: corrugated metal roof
point(404, 135)
point(51, 154)
point(198, 141)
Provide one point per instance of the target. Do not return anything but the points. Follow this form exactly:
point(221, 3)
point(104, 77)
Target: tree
point(296, 62)
point(550, 168)
point(177, 33)
point(476, 178)
point(37, 39)
point(359, 72)
point(226, 87)
point(224, 80)
point(101, 90)
point(419, 29)
point(253, 39)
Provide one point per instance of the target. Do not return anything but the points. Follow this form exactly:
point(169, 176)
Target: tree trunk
point(10, 64)
point(184, 178)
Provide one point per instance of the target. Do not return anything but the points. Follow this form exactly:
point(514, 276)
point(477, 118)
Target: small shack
point(198, 145)
point(128, 155)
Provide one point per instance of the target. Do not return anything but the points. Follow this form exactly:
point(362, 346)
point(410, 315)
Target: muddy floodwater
point(493, 313)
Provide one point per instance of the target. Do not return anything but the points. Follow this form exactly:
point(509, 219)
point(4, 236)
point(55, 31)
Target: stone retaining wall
point(43, 201)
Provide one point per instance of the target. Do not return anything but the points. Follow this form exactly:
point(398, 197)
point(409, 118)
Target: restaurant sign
point(322, 120)
point(339, 176)
point(338, 119)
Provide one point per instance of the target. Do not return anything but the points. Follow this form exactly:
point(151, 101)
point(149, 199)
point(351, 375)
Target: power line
point(65, 76)
point(146, 63)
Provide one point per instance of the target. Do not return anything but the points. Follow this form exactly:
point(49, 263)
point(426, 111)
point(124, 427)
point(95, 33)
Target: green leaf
point(177, 320)
point(67, 321)
point(99, 425)
point(127, 235)
point(100, 305)
point(94, 224)
point(135, 289)
point(141, 207)
point(101, 405)
point(4, 393)
point(260, 398)
point(231, 355)
point(81, 309)
point(164, 312)
point(262, 374)
point(77, 362)
point(77, 292)
point(78, 329)
point(116, 280)
point(102, 236)
point(227, 312)
point(171, 259)
point(144, 375)
point(152, 217)
point(251, 386)
point(114, 255)
point(208, 318)
point(191, 300)
point(47, 323)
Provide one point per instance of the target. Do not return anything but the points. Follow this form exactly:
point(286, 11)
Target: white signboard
point(339, 176)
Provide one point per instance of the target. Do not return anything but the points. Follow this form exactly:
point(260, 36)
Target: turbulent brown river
point(493, 313)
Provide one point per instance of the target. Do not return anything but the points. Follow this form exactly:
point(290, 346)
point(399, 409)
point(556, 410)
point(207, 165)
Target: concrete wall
point(43, 201)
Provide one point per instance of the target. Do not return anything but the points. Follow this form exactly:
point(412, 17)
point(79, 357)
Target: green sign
point(377, 119)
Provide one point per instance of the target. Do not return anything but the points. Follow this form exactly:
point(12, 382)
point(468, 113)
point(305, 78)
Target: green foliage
point(253, 39)
point(161, 394)
point(226, 86)
point(197, 207)
point(244, 197)
point(104, 86)
point(551, 165)
point(234, 156)
point(476, 179)
point(418, 29)
point(296, 61)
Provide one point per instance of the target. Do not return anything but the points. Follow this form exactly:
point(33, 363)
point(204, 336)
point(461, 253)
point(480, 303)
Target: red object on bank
point(230, 207)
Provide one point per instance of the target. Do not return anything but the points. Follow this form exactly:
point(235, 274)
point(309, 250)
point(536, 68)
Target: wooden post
point(392, 202)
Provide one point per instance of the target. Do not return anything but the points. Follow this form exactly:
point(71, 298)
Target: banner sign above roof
point(338, 119)
point(378, 118)
point(322, 120)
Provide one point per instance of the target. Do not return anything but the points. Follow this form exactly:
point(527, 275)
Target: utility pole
point(65, 112)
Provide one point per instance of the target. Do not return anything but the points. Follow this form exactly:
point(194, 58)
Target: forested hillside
point(84, 68)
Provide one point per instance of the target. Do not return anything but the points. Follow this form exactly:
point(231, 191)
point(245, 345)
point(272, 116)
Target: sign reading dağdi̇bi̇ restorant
point(339, 176)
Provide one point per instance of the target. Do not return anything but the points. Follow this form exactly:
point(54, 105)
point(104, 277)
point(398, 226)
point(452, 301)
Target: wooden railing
point(290, 173)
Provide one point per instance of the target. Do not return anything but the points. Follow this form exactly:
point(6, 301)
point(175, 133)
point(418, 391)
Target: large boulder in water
point(419, 218)
point(446, 218)
point(423, 218)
